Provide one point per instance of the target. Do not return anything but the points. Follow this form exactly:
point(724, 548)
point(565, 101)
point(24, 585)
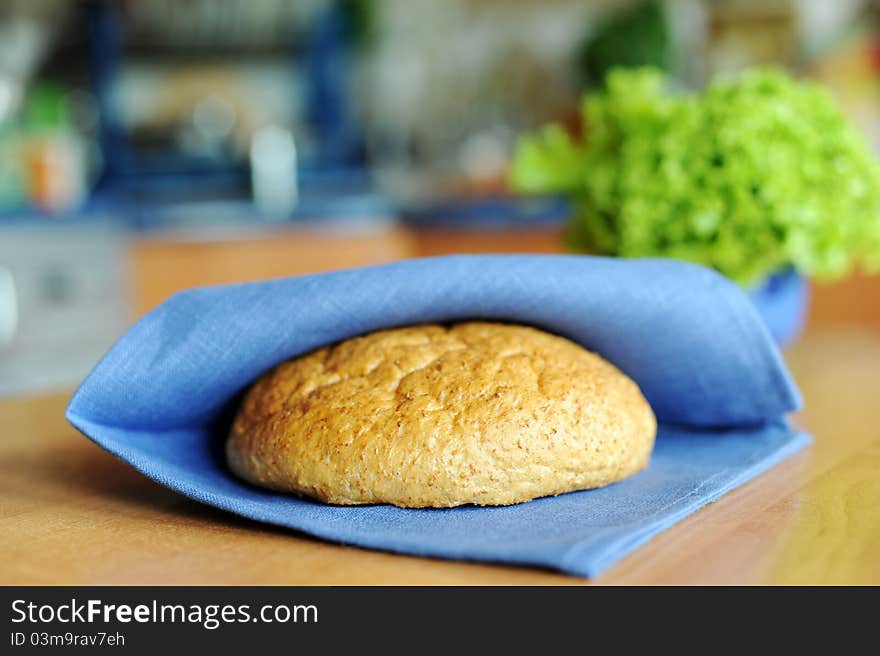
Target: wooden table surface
point(72, 514)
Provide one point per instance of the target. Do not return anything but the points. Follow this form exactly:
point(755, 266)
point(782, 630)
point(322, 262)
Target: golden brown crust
point(435, 416)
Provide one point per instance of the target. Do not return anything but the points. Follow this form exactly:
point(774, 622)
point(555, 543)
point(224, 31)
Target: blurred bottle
point(274, 172)
point(13, 191)
point(53, 153)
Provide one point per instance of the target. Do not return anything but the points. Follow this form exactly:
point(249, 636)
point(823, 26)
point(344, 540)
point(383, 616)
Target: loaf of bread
point(441, 416)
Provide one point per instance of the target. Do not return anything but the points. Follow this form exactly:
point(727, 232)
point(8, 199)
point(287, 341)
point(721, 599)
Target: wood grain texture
point(161, 266)
point(854, 300)
point(437, 241)
point(71, 513)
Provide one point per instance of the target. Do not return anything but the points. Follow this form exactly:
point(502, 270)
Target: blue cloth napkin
point(163, 397)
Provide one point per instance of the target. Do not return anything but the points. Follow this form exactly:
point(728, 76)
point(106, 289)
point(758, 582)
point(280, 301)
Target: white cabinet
point(65, 302)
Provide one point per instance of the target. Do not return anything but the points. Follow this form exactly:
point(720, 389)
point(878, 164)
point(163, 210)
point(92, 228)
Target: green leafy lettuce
point(754, 174)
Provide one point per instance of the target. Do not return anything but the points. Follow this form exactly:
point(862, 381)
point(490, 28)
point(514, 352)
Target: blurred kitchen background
point(150, 146)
